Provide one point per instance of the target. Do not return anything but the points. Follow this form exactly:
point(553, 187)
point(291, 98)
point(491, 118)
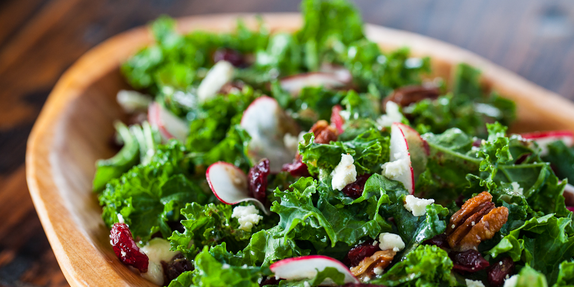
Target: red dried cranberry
point(522, 158)
point(126, 249)
point(468, 261)
point(234, 57)
point(360, 252)
point(500, 271)
point(439, 240)
point(459, 200)
point(477, 143)
point(297, 168)
point(571, 208)
point(271, 280)
point(257, 178)
point(355, 189)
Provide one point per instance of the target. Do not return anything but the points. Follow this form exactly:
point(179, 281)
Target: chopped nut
point(324, 133)
point(374, 265)
point(477, 220)
point(405, 96)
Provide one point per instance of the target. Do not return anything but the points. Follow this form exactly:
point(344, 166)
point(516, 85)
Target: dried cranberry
point(500, 271)
point(126, 249)
point(234, 57)
point(459, 200)
point(355, 189)
point(257, 178)
point(360, 252)
point(477, 143)
point(571, 208)
point(271, 280)
point(439, 241)
point(297, 168)
point(468, 261)
point(177, 265)
point(522, 158)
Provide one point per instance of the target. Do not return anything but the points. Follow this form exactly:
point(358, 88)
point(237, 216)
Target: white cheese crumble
point(516, 189)
point(157, 250)
point(220, 74)
point(392, 115)
point(344, 173)
point(121, 219)
point(248, 216)
point(378, 270)
point(417, 205)
point(306, 284)
point(391, 241)
point(394, 169)
point(473, 283)
point(512, 281)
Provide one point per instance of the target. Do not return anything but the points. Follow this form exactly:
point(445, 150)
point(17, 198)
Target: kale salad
point(257, 158)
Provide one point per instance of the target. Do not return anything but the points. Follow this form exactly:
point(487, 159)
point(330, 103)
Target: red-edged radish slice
point(307, 267)
point(167, 123)
point(267, 124)
point(229, 184)
point(294, 84)
point(418, 149)
point(340, 72)
point(543, 139)
point(220, 74)
point(336, 118)
point(399, 167)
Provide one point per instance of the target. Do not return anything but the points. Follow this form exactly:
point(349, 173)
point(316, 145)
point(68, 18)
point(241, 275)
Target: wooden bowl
point(75, 126)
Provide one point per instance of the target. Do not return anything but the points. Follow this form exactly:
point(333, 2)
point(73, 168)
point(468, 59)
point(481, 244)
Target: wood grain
point(67, 138)
point(39, 39)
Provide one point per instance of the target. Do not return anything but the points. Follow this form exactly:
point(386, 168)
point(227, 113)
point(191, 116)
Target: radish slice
point(330, 80)
point(399, 167)
point(336, 118)
point(229, 184)
point(267, 124)
point(569, 189)
point(307, 267)
point(543, 139)
point(418, 149)
point(167, 123)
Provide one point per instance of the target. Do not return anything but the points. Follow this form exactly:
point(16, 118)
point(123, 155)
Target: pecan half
point(477, 220)
point(373, 265)
point(324, 133)
point(405, 96)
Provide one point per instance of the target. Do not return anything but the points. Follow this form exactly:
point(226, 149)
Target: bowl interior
point(75, 129)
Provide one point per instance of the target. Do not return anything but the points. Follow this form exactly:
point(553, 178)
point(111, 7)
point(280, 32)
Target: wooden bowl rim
point(56, 218)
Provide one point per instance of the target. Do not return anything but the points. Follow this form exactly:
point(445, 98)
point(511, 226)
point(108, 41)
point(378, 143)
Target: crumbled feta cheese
point(157, 250)
point(366, 278)
point(306, 284)
point(512, 281)
point(344, 173)
point(391, 241)
point(132, 101)
point(417, 205)
point(121, 219)
point(394, 169)
point(248, 216)
point(291, 142)
point(220, 74)
point(378, 270)
point(516, 189)
point(473, 283)
point(392, 115)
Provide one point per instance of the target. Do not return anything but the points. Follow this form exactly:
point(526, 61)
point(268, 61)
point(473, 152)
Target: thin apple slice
point(307, 267)
point(336, 118)
point(543, 139)
point(267, 124)
point(229, 184)
point(169, 125)
point(399, 167)
point(418, 149)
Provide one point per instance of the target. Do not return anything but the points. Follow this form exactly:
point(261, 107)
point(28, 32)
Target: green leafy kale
point(150, 196)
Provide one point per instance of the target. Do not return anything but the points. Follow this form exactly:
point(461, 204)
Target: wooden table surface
point(39, 39)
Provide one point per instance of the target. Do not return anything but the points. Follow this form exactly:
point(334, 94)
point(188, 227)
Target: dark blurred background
point(40, 39)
